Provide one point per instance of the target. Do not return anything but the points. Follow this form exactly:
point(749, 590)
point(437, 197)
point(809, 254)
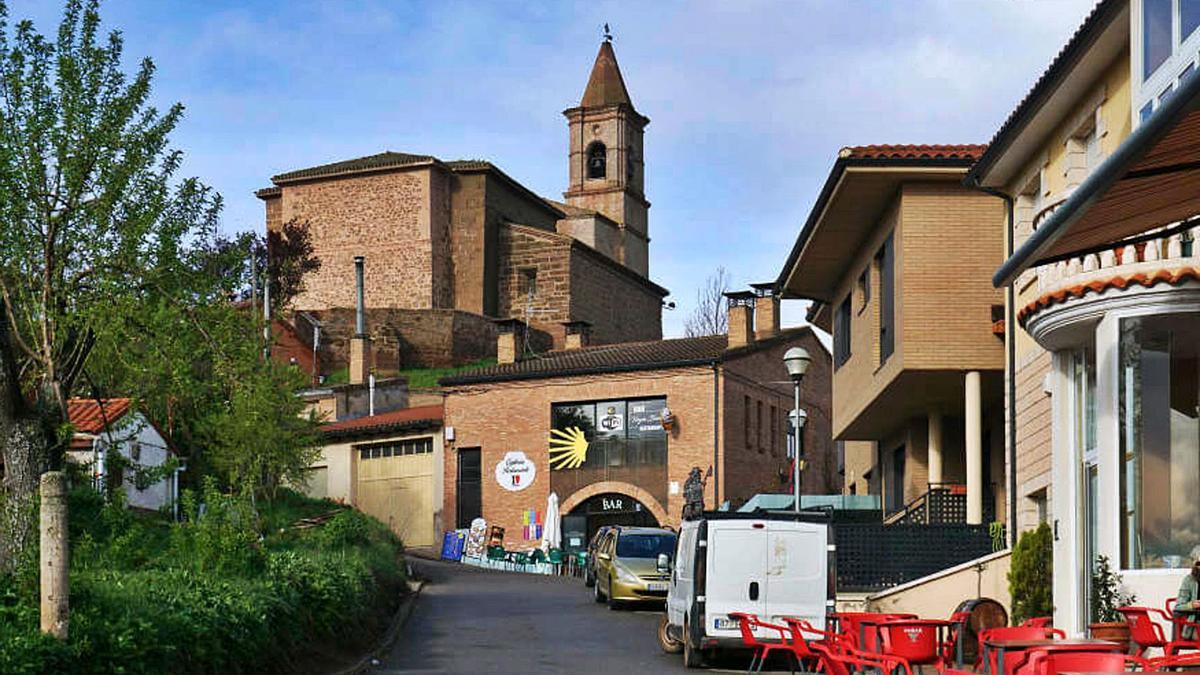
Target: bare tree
point(709, 316)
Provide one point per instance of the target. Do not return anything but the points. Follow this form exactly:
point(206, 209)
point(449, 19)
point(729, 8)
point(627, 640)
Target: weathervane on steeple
point(607, 33)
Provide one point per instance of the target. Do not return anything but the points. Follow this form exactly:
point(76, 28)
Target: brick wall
point(386, 217)
point(503, 417)
point(547, 255)
point(1034, 441)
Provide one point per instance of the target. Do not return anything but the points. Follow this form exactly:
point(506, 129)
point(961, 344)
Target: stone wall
point(620, 306)
point(408, 338)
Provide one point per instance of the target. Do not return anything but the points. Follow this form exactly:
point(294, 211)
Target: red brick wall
point(502, 417)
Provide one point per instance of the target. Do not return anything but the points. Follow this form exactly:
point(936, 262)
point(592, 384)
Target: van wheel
point(692, 657)
point(668, 644)
point(596, 594)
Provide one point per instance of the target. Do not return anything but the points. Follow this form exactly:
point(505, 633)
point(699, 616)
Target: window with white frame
point(1166, 39)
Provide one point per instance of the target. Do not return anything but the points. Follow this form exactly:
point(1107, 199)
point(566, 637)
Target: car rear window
point(645, 545)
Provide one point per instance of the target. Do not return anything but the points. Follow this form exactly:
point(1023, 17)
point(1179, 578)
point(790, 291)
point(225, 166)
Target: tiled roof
point(1173, 276)
point(964, 151)
point(389, 421)
point(88, 415)
point(383, 160)
point(572, 210)
point(605, 86)
point(268, 192)
point(622, 357)
point(1075, 47)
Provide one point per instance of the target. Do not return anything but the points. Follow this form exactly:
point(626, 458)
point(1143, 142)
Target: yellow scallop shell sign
point(568, 448)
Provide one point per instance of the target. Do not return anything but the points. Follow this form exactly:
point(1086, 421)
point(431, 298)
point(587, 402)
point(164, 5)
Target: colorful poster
point(476, 539)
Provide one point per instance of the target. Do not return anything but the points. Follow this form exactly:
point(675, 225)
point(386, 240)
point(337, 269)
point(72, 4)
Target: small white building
point(105, 425)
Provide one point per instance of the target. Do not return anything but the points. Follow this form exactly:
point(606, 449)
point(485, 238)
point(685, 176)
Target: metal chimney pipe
point(360, 319)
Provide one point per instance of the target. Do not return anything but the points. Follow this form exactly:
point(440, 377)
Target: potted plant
point(1029, 580)
point(1107, 596)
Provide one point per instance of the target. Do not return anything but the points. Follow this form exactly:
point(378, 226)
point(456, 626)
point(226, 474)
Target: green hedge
point(209, 595)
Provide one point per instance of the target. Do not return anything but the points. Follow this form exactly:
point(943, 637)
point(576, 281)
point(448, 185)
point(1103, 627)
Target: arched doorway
point(608, 508)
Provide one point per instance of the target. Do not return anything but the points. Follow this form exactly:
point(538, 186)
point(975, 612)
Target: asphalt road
point(469, 620)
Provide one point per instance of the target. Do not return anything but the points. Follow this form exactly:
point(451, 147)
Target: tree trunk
point(25, 449)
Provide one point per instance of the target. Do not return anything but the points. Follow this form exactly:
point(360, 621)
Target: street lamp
point(796, 360)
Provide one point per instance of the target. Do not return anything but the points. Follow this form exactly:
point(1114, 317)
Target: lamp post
point(796, 360)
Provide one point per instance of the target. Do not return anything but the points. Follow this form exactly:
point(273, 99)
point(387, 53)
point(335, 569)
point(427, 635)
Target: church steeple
point(607, 171)
point(605, 86)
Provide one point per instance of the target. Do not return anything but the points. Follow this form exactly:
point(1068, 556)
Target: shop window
point(1158, 399)
point(620, 440)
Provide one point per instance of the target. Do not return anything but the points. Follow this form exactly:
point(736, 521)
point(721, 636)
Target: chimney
point(741, 318)
point(766, 311)
point(360, 344)
point(579, 334)
point(510, 340)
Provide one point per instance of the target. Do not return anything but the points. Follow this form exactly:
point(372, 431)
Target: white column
point(935, 446)
point(974, 444)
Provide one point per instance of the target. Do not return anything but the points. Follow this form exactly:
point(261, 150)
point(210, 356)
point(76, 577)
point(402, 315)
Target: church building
point(450, 247)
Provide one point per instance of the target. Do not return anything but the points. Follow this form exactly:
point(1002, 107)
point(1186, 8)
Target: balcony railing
point(941, 504)
point(1163, 247)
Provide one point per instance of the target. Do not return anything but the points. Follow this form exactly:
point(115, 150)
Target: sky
point(749, 100)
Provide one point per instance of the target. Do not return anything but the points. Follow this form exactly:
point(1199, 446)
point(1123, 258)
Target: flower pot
point(1113, 631)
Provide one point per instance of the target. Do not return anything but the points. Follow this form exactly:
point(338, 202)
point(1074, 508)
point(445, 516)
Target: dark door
point(469, 500)
point(895, 481)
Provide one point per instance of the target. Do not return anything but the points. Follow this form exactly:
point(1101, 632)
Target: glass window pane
point(1144, 113)
point(1189, 17)
point(1156, 35)
point(1160, 424)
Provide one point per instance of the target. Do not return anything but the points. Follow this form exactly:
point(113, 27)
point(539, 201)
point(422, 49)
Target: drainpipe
point(716, 366)
point(1010, 340)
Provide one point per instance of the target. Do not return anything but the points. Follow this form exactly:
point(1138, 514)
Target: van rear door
point(796, 569)
point(736, 579)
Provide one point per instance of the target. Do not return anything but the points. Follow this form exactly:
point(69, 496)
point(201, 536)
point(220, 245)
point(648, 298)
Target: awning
point(1151, 180)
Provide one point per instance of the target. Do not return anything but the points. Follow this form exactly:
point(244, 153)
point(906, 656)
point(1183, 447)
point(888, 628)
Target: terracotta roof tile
point(88, 415)
point(383, 160)
point(1172, 276)
point(388, 421)
point(605, 87)
point(909, 151)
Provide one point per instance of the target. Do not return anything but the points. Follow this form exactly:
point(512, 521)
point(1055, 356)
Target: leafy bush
point(1031, 576)
point(209, 594)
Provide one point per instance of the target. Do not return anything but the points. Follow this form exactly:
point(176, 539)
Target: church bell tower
point(607, 171)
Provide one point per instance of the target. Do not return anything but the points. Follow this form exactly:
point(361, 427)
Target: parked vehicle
point(627, 565)
point(589, 564)
point(769, 564)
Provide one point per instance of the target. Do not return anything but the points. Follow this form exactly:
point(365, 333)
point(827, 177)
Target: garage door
point(395, 485)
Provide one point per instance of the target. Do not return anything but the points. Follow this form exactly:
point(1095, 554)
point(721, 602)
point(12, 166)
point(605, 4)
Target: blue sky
point(749, 100)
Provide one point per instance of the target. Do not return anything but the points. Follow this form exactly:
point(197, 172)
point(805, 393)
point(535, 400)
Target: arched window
point(596, 160)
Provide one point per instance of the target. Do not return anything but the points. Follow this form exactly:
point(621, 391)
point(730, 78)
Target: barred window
point(402, 448)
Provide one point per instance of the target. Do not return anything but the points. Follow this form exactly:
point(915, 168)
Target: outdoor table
point(865, 620)
point(939, 626)
point(1002, 647)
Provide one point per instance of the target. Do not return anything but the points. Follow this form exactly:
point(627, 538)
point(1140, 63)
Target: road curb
point(389, 637)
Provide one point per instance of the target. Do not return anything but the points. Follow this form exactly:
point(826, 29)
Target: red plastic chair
point(1146, 633)
point(1011, 633)
point(804, 639)
point(762, 650)
point(1166, 663)
point(850, 661)
point(1044, 663)
point(1179, 622)
point(1037, 622)
point(958, 624)
point(914, 640)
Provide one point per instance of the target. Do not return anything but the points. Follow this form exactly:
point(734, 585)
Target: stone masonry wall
point(620, 308)
point(408, 338)
point(386, 217)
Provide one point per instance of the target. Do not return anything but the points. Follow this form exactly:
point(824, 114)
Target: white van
point(771, 564)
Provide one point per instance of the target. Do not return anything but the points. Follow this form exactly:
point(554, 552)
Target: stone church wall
point(620, 308)
point(408, 338)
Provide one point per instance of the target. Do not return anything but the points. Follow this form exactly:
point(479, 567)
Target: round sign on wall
point(516, 471)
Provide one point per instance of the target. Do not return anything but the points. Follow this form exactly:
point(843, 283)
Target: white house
point(102, 425)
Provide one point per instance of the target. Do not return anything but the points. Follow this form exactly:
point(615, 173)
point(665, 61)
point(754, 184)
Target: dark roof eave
point(1185, 100)
point(573, 372)
point(488, 167)
point(835, 175)
point(1085, 36)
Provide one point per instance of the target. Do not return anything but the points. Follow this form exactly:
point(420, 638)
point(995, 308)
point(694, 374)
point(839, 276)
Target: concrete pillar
point(55, 558)
point(935, 446)
point(974, 444)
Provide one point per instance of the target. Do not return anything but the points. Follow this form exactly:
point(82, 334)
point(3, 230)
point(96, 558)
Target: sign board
point(515, 471)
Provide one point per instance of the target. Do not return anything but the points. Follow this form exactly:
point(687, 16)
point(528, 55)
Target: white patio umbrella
point(552, 529)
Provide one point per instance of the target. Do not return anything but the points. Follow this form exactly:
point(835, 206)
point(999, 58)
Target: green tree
point(1030, 579)
point(93, 216)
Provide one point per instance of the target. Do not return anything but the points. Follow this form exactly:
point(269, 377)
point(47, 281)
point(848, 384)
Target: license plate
point(721, 623)
point(656, 586)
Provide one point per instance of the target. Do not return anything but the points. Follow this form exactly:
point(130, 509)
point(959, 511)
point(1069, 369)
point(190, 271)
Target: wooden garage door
point(395, 485)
